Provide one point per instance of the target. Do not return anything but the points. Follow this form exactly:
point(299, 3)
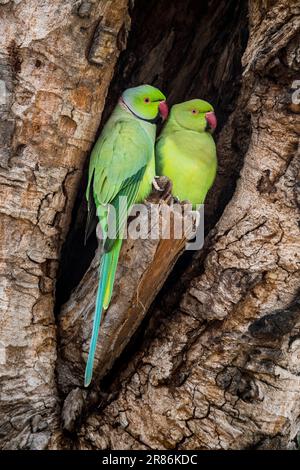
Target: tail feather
point(108, 266)
point(112, 272)
point(104, 273)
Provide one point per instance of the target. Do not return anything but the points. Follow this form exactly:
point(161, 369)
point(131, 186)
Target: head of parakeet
point(145, 102)
point(196, 115)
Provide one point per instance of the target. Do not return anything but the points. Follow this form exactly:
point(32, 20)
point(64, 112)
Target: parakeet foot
point(166, 188)
point(156, 185)
point(162, 190)
point(167, 194)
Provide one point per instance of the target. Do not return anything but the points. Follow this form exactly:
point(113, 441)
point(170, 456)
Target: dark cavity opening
point(189, 49)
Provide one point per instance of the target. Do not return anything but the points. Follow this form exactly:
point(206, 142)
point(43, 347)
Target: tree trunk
point(57, 59)
point(202, 353)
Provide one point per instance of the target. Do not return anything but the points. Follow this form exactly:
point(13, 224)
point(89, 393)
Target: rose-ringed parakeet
point(186, 152)
point(122, 164)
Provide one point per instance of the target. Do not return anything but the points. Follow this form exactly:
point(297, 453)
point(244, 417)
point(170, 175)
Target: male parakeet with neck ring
point(122, 164)
point(186, 152)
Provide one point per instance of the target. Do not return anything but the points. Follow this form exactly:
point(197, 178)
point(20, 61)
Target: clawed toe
point(156, 185)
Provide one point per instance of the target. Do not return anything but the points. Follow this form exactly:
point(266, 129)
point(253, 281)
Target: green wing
point(117, 166)
point(122, 206)
point(118, 163)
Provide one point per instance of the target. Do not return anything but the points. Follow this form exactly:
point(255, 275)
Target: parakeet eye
point(147, 100)
point(194, 111)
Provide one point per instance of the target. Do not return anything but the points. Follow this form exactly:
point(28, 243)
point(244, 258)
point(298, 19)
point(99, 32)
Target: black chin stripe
point(151, 121)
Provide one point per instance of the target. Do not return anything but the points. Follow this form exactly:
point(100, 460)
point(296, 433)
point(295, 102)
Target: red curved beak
point(211, 120)
point(163, 109)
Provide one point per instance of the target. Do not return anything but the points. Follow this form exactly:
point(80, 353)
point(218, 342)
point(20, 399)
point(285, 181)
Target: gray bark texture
point(197, 353)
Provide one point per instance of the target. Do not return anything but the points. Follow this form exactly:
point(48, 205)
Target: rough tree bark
point(215, 364)
point(144, 265)
point(57, 59)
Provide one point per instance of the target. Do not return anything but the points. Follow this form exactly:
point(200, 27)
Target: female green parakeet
point(186, 152)
point(122, 164)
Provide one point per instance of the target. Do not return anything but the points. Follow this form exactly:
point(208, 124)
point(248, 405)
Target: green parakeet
point(186, 152)
point(122, 164)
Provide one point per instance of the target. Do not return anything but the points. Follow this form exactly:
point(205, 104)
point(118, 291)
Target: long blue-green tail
point(107, 271)
point(112, 272)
